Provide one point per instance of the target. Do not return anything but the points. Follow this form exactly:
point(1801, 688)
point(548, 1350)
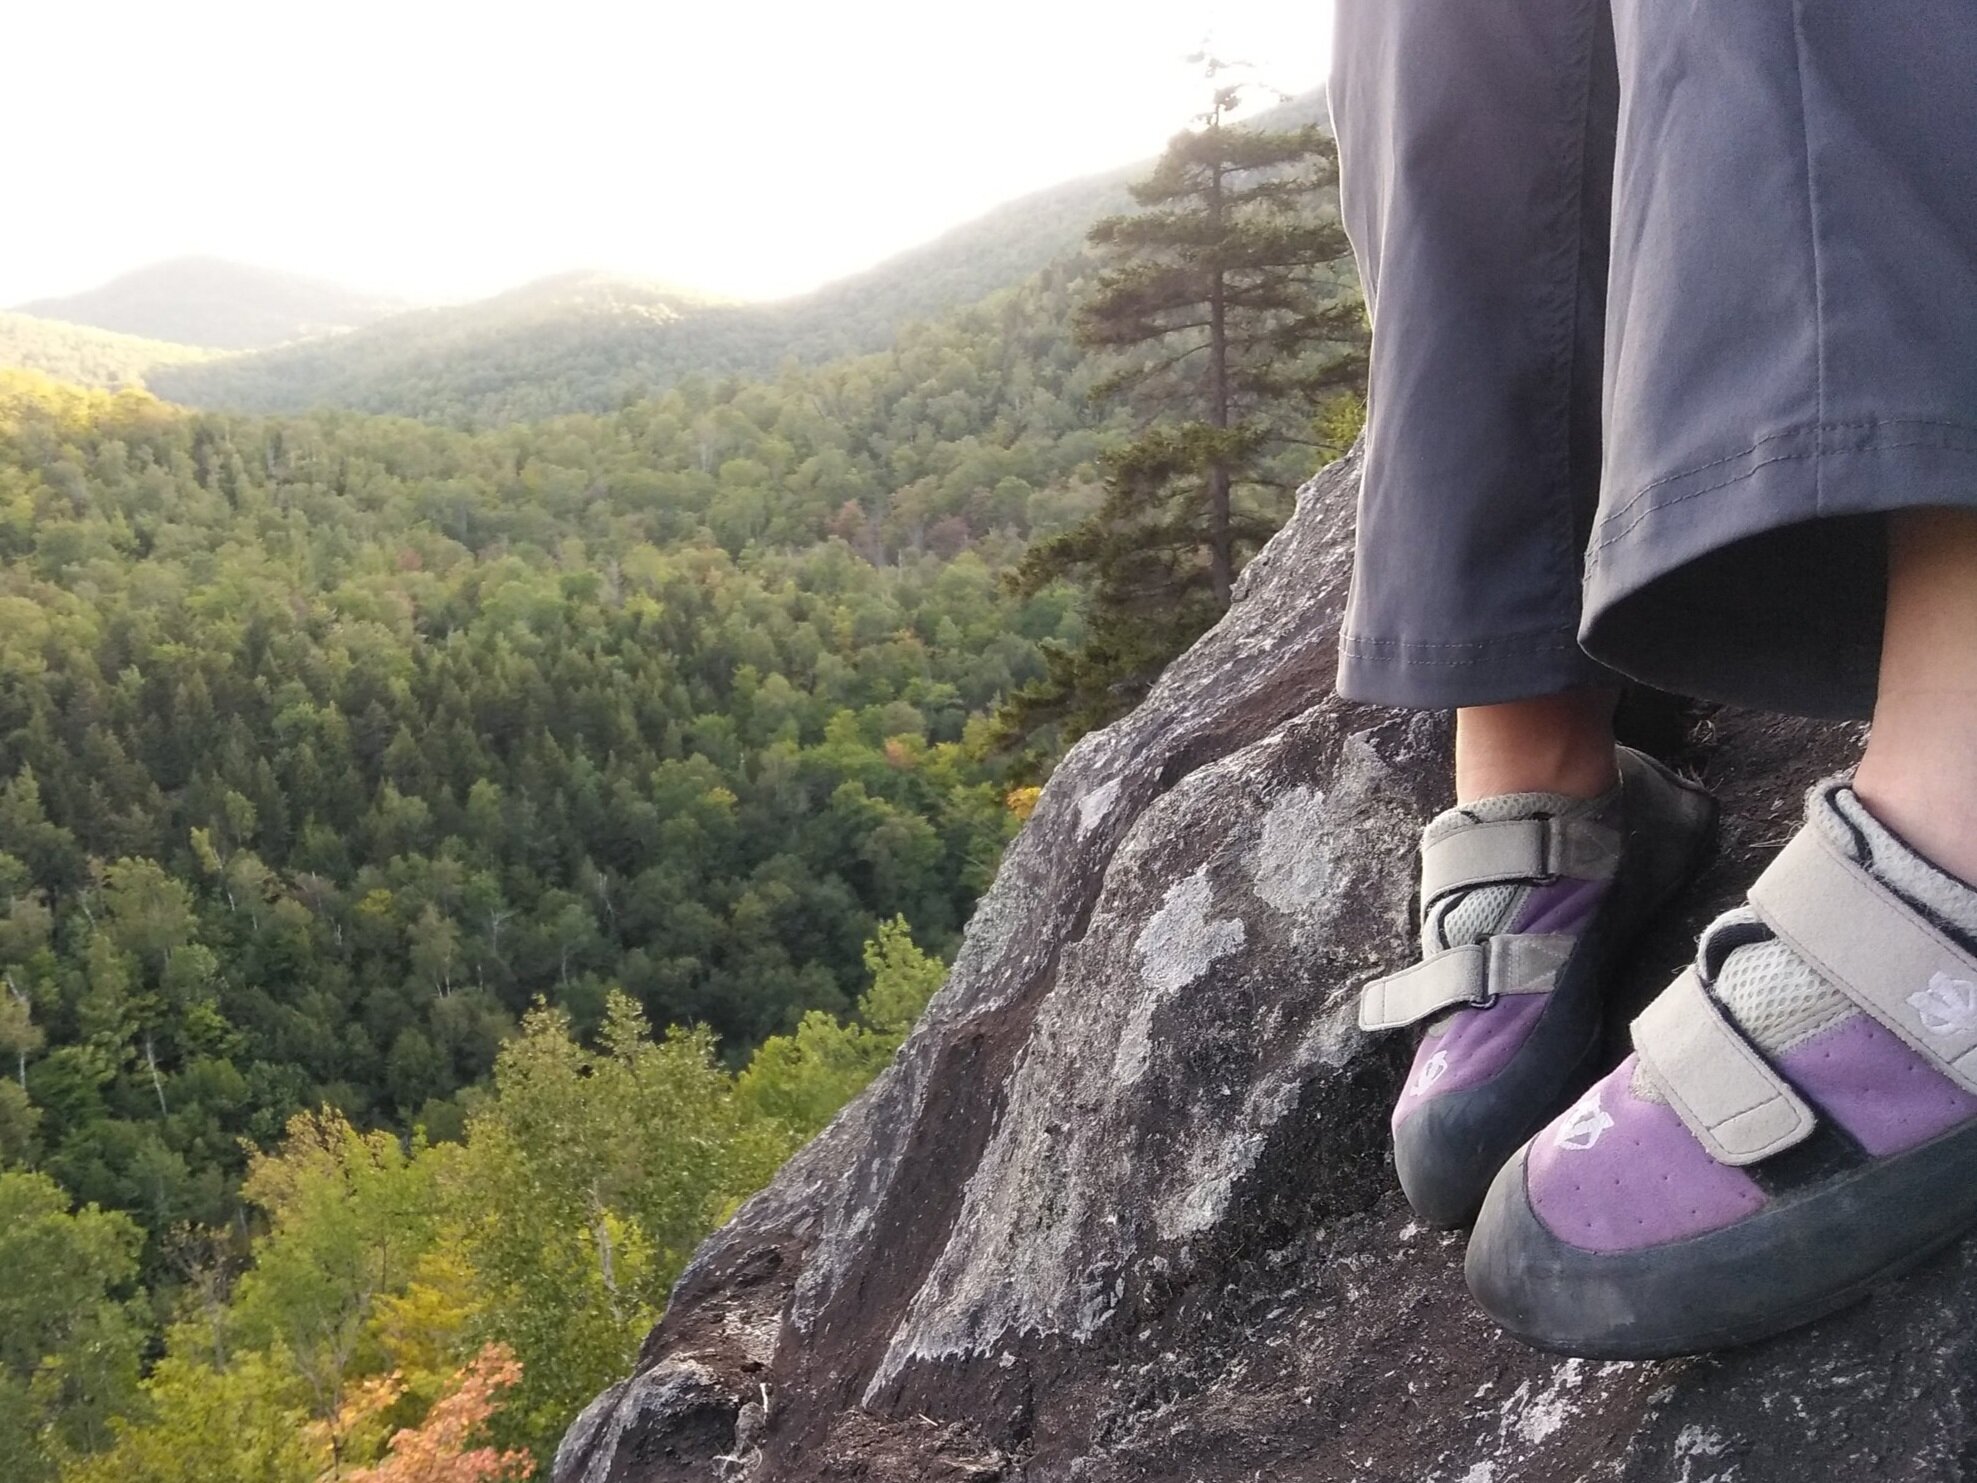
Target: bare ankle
point(1921, 782)
point(1919, 774)
point(1549, 744)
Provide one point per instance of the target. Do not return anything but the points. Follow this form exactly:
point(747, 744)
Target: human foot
point(1525, 899)
point(1798, 1123)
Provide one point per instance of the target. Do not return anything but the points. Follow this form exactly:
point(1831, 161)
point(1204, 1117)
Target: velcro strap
point(1728, 1095)
point(1876, 949)
point(1517, 850)
point(1475, 975)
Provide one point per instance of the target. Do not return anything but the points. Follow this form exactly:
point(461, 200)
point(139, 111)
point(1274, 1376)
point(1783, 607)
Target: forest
point(335, 744)
point(446, 865)
point(429, 723)
point(84, 355)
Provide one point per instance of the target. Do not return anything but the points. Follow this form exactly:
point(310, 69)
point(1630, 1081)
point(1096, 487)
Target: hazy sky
point(441, 149)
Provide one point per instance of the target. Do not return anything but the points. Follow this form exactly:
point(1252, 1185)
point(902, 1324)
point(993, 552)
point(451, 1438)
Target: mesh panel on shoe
point(1778, 1001)
point(1475, 915)
point(1767, 989)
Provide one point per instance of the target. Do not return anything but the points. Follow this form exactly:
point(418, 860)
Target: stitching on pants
point(1569, 227)
point(1812, 235)
point(1791, 432)
point(1500, 651)
point(1406, 662)
point(1940, 444)
point(1511, 641)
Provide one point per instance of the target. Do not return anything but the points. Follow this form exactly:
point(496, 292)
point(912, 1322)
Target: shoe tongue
point(1473, 915)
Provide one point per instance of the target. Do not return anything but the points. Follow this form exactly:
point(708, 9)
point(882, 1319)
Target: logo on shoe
point(1432, 1071)
point(1948, 1006)
point(1584, 1125)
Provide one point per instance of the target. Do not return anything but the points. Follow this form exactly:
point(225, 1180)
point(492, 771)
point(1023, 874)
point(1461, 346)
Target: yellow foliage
point(72, 407)
point(422, 1329)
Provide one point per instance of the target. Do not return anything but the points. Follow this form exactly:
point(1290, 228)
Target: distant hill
point(590, 342)
point(995, 251)
point(957, 268)
point(210, 302)
point(574, 342)
point(85, 355)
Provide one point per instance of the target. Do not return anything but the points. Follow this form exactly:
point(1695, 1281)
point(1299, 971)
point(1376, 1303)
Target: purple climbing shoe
point(1525, 899)
point(1797, 1124)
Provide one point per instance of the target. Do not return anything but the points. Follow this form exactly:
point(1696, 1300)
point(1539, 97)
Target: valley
point(480, 786)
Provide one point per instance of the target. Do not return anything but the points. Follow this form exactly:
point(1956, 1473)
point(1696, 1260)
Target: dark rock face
point(1121, 1210)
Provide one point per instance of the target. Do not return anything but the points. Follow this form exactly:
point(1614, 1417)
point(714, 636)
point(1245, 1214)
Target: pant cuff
point(1439, 677)
point(1761, 580)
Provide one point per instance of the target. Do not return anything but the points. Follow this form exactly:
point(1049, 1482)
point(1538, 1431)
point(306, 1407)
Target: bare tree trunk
point(606, 1254)
point(1221, 543)
point(157, 1081)
point(20, 996)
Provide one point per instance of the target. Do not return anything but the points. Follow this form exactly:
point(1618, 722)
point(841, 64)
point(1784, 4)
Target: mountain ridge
point(589, 341)
point(485, 362)
point(216, 303)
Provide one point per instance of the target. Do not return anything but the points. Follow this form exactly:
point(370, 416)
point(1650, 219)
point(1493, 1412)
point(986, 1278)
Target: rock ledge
point(1120, 1212)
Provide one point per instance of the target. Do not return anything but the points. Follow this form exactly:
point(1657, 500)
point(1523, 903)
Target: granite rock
point(1121, 1211)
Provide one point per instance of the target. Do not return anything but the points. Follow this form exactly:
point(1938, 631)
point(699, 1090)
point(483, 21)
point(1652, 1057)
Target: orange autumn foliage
point(436, 1450)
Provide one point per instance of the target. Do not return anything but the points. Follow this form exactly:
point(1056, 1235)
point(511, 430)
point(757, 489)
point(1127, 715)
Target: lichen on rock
point(1121, 1209)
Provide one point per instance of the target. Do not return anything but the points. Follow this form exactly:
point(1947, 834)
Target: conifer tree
point(1228, 308)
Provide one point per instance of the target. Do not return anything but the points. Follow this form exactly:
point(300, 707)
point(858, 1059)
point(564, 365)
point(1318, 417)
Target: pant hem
point(1772, 596)
point(1419, 675)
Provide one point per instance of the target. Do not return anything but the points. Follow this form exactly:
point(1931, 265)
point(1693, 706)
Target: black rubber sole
point(1810, 1252)
point(1447, 1152)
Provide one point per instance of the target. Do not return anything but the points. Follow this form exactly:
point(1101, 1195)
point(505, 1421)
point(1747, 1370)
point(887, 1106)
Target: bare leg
point(1551, 744)
point(1919, 774)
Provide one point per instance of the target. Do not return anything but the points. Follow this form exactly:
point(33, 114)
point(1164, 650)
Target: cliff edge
point(1121, 1210)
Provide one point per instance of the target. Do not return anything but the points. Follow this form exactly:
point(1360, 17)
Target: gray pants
point(1672, 301)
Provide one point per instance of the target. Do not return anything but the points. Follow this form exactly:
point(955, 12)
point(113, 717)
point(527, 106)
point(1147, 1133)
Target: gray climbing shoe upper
point(1524, 900)
point(1799, 1118)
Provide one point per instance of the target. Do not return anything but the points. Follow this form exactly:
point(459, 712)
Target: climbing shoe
point(1797, 1123)
point(1525, 900)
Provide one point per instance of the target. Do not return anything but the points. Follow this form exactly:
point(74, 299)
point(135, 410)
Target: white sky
point(445, 149)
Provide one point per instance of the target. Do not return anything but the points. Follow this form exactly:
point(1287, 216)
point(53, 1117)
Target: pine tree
point(1229, 310)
